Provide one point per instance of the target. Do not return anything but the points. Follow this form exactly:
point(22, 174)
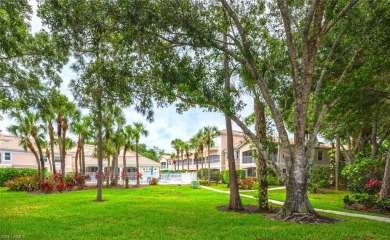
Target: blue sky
point(167, 125)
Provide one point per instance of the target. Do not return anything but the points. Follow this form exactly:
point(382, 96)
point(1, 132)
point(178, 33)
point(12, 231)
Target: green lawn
point(223, 186)
point(157, 212)
point(331, 200)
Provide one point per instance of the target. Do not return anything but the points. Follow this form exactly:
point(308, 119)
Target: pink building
point(243, 155)
point(13, 155)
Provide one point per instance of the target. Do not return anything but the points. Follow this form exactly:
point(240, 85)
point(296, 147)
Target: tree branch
point(341, 14)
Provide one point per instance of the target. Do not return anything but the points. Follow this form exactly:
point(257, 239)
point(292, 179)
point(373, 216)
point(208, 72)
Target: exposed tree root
point(307, 218)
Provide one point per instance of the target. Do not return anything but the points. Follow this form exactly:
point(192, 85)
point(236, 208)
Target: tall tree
point(176, 144)
point(29, 128)
point(129, 137)
point(139, 131)
point(107, 70)
point(209, 132)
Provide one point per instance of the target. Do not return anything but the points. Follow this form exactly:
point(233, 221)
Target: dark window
point(57, 159)
point(7, 156)
point(319, 156)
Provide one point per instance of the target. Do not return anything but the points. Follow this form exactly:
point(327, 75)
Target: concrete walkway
point(376, 218)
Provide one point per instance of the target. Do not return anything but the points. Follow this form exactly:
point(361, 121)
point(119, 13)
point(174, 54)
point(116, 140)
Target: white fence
point(163, 178)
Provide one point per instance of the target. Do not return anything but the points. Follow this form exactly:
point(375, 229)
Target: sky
point(167, 125)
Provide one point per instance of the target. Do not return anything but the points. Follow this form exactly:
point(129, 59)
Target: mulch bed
point(305, 218)
point(363, 208)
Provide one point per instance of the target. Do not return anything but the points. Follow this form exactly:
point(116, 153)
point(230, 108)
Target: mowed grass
point(224, 187)
point(158, 212)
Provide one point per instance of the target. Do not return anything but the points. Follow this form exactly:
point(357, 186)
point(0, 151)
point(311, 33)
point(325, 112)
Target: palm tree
point(176, 144)
point(186, 148)
point(26, 128)
point(200, 142)
point(128, 135)
point(209, 132)
point(82, 127)
point(172, 156)
point(139, 130)
point(194, 146)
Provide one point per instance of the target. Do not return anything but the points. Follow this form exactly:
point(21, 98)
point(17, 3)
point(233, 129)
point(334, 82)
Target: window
point(319, 155)
point(163, 165)
point(44, 158)
point(213, 159)
point(57, 159)
point(247, 157)
point(7, 156)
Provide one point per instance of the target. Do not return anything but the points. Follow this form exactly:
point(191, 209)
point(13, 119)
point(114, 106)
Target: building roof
point(91, 160)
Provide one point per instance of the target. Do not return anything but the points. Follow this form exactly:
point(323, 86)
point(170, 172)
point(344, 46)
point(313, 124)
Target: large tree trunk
point(385, 189)
point(260, 128)
point(82, 157)
point(49, 159)
point(296, 188)
point(108, 171)
point(100, 152)
point(235, 203)
point(32, 149)
point(51, 136)
point(337, 163)
point(116, 175)
point(42, 172)
point(125, 168)
point(76, 158)
point(63, 150)
point(59, 138)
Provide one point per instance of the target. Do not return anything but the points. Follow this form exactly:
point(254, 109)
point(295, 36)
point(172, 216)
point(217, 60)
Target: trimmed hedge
point(240, 175)
point(7, 174)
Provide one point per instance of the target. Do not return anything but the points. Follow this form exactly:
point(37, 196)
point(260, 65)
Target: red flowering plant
point(46, 186)
point(139, 175)
point(57, 177)
point(80, 179)
point(373, 186)
point(104, 177)
point(60, 186)
point(123, 175)
point(247, 183)
point(69, 181)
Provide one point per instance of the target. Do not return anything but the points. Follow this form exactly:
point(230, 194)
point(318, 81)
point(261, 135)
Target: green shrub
point(369, 201)
point(214, 173)
point(7, 174)
point(272, 180)
point(216, 176)
point(24, 183)
point(203, 182)
point(362, 172)
point(320, 178)
point(240, 175)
